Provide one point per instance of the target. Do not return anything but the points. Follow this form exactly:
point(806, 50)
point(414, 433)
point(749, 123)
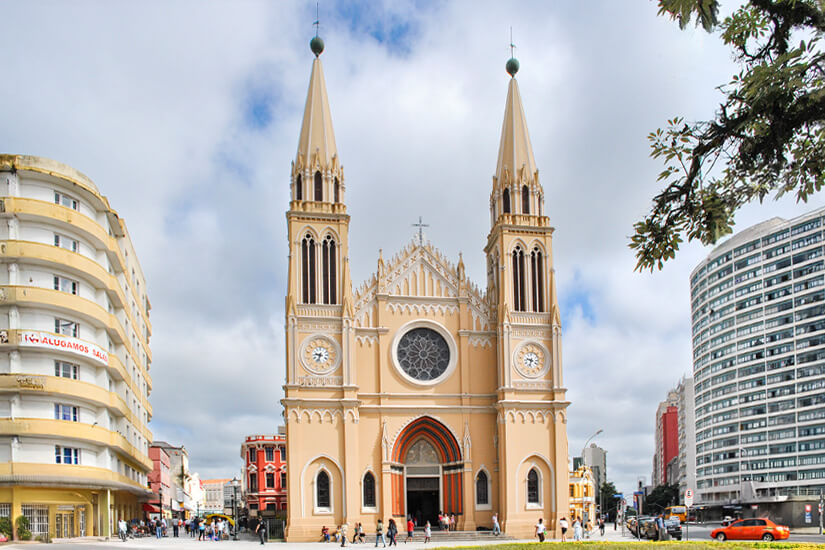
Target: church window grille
point(525, 200)
point(319, 187)
point(369, 490)
point(322, 499)
point(308, 270)
point(481, 489)
point(505, 201)
point(329, 271)
point(537, 280)
point(423, 354)
point(299, 188)
point(533, 487)
point(337, 190)
point(519, 298)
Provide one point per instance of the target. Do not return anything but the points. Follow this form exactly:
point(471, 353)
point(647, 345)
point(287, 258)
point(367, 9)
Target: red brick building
point(264, 482)
point(160, 482)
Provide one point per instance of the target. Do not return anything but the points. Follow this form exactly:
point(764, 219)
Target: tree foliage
point(609, 503)
point(660, 498)
point(766, 139)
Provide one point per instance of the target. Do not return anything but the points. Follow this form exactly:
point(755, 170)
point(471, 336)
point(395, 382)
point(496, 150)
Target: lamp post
point(235, 505)
point(584, 463)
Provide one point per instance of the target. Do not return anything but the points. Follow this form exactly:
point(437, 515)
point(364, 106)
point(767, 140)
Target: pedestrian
point(392, 532)
point(379, 533)
point(121, 529)
point(601, 525)
point(427, 532)
point(324, 534)
point(661, 532)
point(540, 530)
point(260, 528)
point(588, 527)
point(410, 529)
point(343, 531)
point(175, 527)
point(577, 528)
point(201, 529)
point(158, 528)
point(496, 526)
point(452, 522)
point(564, 525)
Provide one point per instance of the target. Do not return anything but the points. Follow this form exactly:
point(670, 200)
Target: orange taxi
point(752, 529)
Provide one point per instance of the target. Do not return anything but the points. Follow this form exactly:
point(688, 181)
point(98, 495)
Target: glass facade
point(758, 318)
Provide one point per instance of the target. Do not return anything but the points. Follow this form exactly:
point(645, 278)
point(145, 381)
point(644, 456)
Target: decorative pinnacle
point(316, 44)
point(512, 63)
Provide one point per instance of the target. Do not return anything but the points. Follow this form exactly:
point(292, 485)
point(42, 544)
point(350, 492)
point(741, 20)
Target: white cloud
point(153, 102)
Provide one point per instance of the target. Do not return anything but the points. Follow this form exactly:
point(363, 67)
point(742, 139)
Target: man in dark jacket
point(261, 529)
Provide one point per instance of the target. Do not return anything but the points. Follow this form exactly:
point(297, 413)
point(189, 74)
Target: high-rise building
point(596, 458)
point(74, 354)
point(758, 305)
point(686, 461)
point(666, 439)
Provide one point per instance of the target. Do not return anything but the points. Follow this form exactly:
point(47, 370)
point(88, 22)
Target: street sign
point(618, 495)
point(689, 497)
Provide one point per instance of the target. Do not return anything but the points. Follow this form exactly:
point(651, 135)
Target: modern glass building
point(758, 306)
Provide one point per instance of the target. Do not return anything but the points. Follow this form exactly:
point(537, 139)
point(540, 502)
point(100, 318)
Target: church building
point(419, 392)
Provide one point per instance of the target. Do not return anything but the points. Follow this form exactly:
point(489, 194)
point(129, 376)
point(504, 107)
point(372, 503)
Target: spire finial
point(512, 63)
point(420, 225)
point(316, 44)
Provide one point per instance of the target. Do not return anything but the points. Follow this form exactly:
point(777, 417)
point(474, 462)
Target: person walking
point(379, 533)
point(661, 532)
point(175, 527)
point(201, 529)
point(392, 532)
point(496, 526)
point(158, 528)
point(260, 528)
point(577, 528)
point(540, 530)
point(410, 529)
point(121, 529)
point(428, 532)
point(343, 531)
point(564, 526)
point(601, 525)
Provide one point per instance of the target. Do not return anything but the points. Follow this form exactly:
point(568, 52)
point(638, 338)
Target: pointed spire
point(515, 153)
point(317, 137)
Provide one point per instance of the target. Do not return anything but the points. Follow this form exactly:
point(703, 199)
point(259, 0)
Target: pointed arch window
point(505, 201)
point(329, 271)
point(482, 496)
point(525, 200)
point(319, 187)
point(299, 188)
point(337, 190)
point(519, 298)
point(533, 487)
point(322, 492)
point(537, 279)
point(308, 284)
point(369, 490)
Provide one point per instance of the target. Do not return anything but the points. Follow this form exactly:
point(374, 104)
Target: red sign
point(807, 507)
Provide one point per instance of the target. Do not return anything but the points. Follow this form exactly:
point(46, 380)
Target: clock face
point(319, 355)
point(531, 360)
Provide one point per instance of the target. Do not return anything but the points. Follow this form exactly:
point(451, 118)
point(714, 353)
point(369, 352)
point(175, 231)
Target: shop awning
point(151, 508)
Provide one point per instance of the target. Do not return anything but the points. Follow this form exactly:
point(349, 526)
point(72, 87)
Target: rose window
point(423, 354)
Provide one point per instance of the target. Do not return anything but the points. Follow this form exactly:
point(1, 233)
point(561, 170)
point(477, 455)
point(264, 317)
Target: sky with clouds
point(186, 114)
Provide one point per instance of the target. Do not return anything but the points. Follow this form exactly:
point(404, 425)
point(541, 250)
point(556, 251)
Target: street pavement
point(695, 532)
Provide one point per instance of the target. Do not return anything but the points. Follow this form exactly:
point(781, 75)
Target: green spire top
point(317, 46)
point(512, 66)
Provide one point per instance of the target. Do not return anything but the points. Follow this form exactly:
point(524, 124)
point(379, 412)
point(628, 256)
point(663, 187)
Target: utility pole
point(821, 502)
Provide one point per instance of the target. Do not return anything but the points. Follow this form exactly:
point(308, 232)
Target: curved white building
point(758, 304)
point(74, 354)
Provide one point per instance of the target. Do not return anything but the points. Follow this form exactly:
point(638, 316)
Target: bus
point(676, 512)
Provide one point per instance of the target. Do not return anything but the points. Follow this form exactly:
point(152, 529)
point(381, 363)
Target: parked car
point(752, 529)
point(673, 526)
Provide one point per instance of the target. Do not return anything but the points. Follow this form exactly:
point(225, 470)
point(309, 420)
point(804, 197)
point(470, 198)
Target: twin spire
point(516, 166)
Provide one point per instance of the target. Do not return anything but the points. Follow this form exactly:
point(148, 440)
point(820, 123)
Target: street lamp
point(584, 463)
point(235, 482)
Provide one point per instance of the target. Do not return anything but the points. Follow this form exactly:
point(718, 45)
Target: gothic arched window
point(308, 270)
point(533, 487)
point(319, 187)
point(328, 269)
point(519, 298)
point(337, 190)
point(481, 489)
point(369, 490)
point(537, 279)
point(322, 499)
point(525, 200)
point(505, 201)
point(299, 188)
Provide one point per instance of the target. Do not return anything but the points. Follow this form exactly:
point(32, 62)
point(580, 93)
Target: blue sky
point(186, 114)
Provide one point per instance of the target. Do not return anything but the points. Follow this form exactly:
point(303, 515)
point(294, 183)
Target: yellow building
point(74, 355)
point(582, 494)
point(421, 392)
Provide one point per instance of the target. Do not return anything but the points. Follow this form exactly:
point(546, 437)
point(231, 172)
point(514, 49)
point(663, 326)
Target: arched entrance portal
point(426, 472)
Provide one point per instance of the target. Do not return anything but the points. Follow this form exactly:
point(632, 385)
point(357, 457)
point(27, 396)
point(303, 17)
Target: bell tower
point(319, 308)
point(521, 287)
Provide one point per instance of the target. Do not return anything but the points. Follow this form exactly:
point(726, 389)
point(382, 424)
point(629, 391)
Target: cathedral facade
point(419, 392)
